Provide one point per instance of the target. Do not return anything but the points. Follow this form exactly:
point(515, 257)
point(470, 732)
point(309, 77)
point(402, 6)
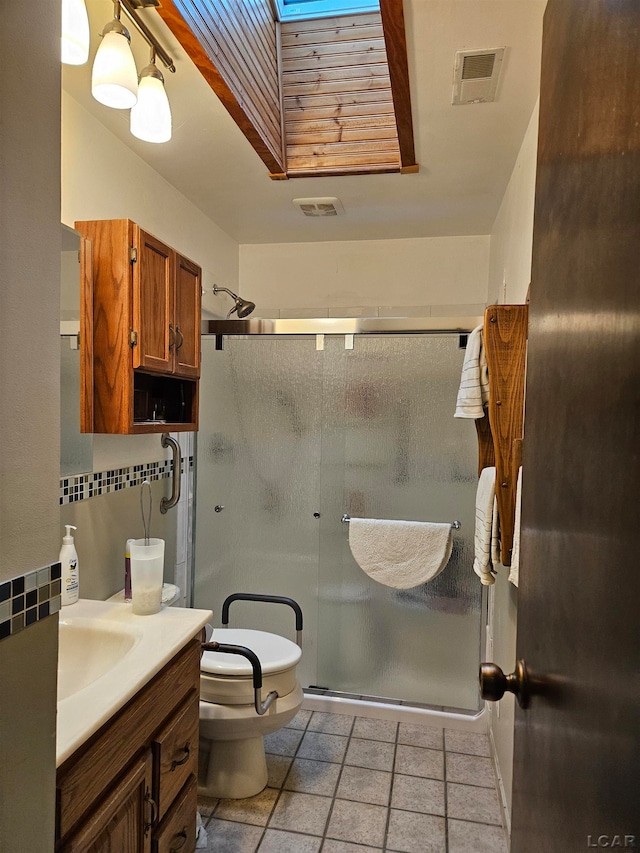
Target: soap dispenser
point(69, 562)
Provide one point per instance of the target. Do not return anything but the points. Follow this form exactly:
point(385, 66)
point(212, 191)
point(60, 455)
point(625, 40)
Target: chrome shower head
point(242, 306)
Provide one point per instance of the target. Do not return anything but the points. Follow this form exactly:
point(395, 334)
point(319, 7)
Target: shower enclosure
point(292, 436)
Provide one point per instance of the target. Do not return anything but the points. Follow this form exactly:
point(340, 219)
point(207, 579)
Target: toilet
point(232, 761)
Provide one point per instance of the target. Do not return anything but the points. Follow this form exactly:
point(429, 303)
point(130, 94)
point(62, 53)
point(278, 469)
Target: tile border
point(80, 487)
point(29, 598)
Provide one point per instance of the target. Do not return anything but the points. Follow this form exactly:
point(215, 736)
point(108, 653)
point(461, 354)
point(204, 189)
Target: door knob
point(494, 683)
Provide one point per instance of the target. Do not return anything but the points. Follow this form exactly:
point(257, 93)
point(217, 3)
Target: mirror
point(76, 448)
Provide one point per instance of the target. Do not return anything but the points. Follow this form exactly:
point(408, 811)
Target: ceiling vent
point(319, 206)
point(476, 75)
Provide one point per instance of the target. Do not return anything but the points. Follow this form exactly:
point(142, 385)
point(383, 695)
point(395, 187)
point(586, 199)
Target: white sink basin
point(107, 654)
point(87, 651)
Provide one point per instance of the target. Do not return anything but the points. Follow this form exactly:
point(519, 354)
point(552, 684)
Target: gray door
point(577, 755)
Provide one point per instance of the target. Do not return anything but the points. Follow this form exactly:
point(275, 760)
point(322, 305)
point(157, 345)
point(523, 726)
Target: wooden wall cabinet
point(141, 330)
point(133, 787)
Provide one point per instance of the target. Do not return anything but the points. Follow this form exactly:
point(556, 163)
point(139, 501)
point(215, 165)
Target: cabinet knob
point(172, 337)
point(181, 336)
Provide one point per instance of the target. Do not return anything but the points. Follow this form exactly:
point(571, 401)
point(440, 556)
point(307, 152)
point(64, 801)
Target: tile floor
point(341, 784)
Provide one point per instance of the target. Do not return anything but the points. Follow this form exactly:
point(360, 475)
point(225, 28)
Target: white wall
point(442, 274)
point(512, 233)
point(103, 179)
point(29, 414)
point(509, 277)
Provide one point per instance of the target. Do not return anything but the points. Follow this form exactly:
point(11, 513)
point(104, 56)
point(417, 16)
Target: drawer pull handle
point(181, 838)
point(178, 332)
point(154, 812)
point(184, 759)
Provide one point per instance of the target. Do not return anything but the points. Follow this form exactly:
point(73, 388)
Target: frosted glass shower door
point(392, 449)
point(290, 439)
point(258, 462)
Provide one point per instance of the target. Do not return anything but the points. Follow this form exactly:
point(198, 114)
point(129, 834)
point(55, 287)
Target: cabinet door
point(153, 300)
point(122, 822)
point(187, 318)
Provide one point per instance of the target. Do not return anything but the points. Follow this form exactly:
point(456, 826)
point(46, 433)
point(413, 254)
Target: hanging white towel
point(496, 554)
point(485, 497)
point(473, 395)
point(401, 554)
point(514, 572)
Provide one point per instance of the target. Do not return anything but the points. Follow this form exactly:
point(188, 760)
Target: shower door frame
point(347, 328)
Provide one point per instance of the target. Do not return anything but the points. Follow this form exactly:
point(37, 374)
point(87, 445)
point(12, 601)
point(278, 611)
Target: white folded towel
point(514, 572)
point(485, 497)
point(401, 554)
point(473, 395)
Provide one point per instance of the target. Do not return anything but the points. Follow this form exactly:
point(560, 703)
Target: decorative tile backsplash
point(29, 598)
point(83, 486)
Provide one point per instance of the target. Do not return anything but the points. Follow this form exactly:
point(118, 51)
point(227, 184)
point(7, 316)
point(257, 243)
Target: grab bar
point(168, 503)
point(226, 648)
point(269, 599)
point(347, 518)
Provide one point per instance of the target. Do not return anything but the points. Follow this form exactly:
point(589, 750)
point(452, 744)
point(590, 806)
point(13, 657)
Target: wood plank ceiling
point(338, 106)
point(328, 96)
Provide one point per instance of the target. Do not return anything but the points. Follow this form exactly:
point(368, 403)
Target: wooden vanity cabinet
point(132, 788)
point(142, 323)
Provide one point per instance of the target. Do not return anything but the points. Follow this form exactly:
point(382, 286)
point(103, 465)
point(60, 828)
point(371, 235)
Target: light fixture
point(114, 79)
point(75, 32)
point(151, 115)
point(242, 306)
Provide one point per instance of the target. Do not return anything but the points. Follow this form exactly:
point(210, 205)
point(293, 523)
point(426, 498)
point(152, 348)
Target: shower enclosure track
point(342, 326)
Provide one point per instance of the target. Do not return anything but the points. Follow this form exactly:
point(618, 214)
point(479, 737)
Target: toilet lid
point(275, 653)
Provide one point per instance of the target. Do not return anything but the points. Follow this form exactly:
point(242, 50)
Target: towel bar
point(347, 518)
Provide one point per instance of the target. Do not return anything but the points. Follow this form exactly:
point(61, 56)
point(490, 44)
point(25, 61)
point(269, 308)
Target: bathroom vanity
point(127, 740)
point(140, 333)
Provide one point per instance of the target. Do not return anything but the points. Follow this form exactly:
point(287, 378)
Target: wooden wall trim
point(256, 112)
point(396, 41)
point(505, 342)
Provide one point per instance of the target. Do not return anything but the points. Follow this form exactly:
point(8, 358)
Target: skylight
point(300, 10)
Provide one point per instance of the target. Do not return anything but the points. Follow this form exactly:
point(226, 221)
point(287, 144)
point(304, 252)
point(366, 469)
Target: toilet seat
point(228, 679)
point(276, 653)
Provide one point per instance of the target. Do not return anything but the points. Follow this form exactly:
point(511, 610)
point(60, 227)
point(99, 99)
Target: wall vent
point(476, 74)
point(319, 206)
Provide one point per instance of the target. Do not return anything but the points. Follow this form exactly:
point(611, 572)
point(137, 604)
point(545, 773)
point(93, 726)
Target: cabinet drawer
point(175, 750)
point(177, 833)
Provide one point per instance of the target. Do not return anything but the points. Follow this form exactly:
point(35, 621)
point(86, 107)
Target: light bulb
point(114, 80)
point(151, 116)
point(75, 32)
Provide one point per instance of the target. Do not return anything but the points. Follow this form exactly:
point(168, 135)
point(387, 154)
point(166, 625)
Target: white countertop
point(154, 640)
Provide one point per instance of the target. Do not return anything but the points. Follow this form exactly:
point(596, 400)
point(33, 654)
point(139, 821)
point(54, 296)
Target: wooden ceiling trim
point(344, 24)
point(341, 134)
point(362, 98)
point(365, 84)
point(255, 112)
point(299, 39)
point(393, 26)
